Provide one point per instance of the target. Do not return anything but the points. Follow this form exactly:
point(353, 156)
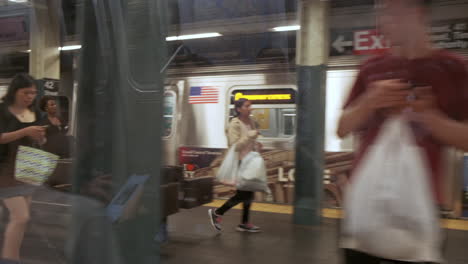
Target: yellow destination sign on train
point(264, 97)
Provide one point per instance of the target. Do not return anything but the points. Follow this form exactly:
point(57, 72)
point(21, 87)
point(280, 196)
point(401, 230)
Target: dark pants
point(356, 257)
point(244, 197)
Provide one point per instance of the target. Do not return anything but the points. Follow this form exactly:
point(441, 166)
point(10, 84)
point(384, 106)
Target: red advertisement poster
point(193, 158)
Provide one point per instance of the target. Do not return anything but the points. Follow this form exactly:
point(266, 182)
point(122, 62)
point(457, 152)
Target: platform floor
point(192, 240)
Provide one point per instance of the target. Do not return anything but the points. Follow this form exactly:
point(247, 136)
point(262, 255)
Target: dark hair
point(20, 81)
point(238, 104)
point(44, 101)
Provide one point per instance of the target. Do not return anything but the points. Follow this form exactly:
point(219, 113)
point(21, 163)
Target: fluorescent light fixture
point(287, 28)
point(71, 47)
point(194, 36)
point(18, 1)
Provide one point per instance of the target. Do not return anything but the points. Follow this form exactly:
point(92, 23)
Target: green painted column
point(312, 47)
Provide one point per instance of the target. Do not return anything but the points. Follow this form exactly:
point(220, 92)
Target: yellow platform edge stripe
point(454, 224)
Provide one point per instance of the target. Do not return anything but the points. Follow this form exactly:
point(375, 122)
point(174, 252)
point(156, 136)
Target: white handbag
point(252, 174)
point(390, 210)
point(228, 172)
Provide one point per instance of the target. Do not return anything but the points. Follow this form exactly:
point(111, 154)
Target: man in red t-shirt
point(437, 80)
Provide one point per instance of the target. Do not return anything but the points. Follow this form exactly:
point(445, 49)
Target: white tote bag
point(389, 208)
point(252, 174)
point(228, 172)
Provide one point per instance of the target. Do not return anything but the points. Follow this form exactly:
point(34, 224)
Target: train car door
point(173, 94)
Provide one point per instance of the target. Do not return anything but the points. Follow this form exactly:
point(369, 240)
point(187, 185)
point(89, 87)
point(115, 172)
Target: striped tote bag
point(33, 165)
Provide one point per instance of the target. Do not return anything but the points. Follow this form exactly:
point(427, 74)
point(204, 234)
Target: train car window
point(275, 122)
point(169, 113)
point(138, 47)
point(288, 119)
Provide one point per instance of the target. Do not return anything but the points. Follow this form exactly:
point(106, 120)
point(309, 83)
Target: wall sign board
point(363, 41)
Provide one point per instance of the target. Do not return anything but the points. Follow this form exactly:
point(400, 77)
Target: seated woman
point(57, 142)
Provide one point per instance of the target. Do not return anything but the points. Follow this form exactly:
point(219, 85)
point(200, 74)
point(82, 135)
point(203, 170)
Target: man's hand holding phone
point(387, 94)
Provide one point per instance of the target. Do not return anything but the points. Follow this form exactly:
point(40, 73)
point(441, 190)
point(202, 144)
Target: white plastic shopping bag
point(389, 208)
point(228, 172)
point(252, 174)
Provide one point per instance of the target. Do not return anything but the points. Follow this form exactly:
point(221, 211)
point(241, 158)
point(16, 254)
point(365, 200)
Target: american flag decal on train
point(203, 95)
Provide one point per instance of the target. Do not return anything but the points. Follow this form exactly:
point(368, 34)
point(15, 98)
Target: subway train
point(199, 105)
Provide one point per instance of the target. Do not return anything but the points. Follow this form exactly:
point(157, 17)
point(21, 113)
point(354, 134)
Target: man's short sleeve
point(462, 91)
point(454, 96)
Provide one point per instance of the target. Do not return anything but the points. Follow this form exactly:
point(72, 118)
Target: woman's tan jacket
point(242, 135)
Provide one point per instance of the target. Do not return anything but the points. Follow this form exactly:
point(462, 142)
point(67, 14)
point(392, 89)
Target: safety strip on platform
point(454, 224)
